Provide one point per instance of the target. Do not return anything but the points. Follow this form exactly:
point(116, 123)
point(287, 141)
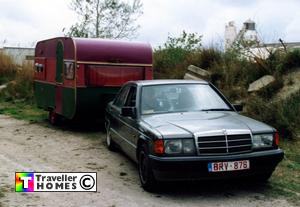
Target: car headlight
point(179, 146)
point(262, 140)
point(173, 146)
point(188, 146)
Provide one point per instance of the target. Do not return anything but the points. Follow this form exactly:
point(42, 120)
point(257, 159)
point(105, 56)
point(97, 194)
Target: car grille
point(224, 144)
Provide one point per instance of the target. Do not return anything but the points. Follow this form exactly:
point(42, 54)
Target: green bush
point(291, 111)
point(272, 62)
point(171, 59)
point(288, 61)
point(232, 74)
point(21, 87)
point(205, 58)
point(292, 59)
point(283, 114)
point(8, 68)
point(166, 62)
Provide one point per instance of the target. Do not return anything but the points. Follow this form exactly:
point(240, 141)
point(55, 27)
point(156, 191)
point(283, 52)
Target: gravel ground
point(39, 147)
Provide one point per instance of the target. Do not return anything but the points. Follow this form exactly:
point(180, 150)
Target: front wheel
point(147, 178)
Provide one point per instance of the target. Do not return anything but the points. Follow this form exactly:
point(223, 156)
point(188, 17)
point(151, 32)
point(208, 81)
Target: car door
point(128, 125)
point(115, 113)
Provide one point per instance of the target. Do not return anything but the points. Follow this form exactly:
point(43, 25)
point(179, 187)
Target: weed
point(22, 85)
point(8, 68)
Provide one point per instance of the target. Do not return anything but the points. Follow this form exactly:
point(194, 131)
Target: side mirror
point(128, 112)
point(238, 107)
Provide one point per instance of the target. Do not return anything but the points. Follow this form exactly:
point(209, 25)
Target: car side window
point(131, 98)
point(120, 101)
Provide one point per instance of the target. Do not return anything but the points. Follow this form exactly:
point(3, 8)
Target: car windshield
point(180, 98)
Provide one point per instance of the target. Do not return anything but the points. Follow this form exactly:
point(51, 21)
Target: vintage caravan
point(76, 77)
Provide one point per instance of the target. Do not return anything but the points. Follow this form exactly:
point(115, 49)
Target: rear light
point(276, 138)
point(159, 147)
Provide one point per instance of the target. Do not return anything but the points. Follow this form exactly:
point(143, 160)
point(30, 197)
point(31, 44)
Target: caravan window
point(69, 70)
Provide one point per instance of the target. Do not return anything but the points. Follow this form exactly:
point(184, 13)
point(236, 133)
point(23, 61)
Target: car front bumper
point(196, 167)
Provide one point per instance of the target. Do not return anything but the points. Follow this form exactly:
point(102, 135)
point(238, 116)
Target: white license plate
point(228, 166)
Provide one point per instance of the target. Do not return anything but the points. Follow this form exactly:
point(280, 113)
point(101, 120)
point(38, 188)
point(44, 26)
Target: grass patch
point(22, 110)
point(17, 99)
point(286, 178)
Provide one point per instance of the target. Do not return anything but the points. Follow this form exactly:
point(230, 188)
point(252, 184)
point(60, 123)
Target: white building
point(19, 54)
point(230, 34)
point(248, 34)
point(263, 50)
point(256, 47)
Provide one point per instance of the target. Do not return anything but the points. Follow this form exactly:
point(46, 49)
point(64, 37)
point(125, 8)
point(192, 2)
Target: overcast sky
point(23, 22)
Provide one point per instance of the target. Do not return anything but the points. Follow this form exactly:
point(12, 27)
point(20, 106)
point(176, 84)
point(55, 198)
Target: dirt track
point(38, 147)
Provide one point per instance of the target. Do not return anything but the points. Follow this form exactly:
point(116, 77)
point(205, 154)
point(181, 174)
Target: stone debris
point(196, 73)
point(261, 83)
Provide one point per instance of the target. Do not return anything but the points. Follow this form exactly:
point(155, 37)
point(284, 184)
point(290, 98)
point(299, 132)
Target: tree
point(176, 49)
point(186, 41)
point(114, 19)
point(170, 59)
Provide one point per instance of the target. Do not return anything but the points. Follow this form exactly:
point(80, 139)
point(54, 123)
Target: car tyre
point(54, 118)
point(147, 178)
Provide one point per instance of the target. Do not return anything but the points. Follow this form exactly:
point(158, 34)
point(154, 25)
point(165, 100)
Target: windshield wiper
point(217, 109)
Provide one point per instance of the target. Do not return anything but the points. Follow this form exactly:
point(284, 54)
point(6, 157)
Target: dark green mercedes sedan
point(187, 130)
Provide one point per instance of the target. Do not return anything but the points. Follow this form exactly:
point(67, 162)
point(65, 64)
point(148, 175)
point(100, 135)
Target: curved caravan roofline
point(92, 50)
